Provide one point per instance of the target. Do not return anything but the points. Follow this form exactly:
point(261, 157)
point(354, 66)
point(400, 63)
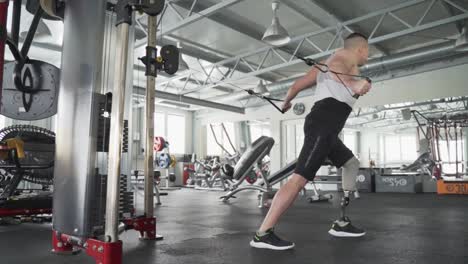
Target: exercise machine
point(209, 174)
point(28, 91)
point(436, 129)
point(251, 160)
point(77, 223)
point(26, 170)
point(30, 87)
point(232, 158)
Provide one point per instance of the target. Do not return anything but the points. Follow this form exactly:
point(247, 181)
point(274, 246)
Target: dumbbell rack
point(167, 169)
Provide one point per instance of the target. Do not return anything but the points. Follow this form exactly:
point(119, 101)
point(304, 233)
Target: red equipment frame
point(4, 212)
point(104, 252)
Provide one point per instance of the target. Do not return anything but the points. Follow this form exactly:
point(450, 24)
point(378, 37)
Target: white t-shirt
point(327, 87)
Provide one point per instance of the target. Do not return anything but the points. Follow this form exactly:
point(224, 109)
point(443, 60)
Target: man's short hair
point(356, 35)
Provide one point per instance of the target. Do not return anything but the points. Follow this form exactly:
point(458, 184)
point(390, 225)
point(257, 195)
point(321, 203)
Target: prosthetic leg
point(343, 227)
point(345, 202)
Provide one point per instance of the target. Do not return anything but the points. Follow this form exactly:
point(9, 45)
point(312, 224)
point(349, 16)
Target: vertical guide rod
point(116, 134)
point(3, 37)
point(437, 133)
point(15, 25)
point(464, 141)
point(456, 151)
point(150, 93)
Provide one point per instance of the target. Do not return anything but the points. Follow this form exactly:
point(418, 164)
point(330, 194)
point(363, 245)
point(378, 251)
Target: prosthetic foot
point(343, 227)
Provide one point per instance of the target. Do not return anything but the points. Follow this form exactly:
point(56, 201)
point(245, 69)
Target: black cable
point(322, 67)
point(347, 88)
point(261, 96)
point(316, 64)
point(268, 99)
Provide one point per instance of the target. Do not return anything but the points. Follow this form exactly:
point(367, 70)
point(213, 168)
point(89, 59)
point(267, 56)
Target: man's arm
point(303, 83)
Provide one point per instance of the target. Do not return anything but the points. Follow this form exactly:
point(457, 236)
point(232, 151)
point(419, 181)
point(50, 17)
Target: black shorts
point(321, 128)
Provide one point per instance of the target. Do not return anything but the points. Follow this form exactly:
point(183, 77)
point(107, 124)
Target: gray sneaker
point(344, 228)
point(270, 241)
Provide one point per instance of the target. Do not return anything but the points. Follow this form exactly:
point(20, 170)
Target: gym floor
point(401, 228)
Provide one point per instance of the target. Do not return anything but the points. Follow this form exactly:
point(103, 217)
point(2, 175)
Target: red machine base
point(104, 252)
point(61, 247)
point(145, 225)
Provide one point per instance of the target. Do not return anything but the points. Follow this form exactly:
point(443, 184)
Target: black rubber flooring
point(401, 228)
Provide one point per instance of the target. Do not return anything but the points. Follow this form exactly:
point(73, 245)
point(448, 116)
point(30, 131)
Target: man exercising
point(334, 98)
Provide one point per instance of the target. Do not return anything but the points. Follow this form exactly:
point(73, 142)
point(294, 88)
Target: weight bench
point(250, 161)
point(266, 186)
point(423, 163)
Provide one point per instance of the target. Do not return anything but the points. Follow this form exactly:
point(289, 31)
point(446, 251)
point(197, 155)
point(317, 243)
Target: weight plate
point(164, 160)
point(173, 161)
point(170, 56)
point(42, 80)
point(159, 143)
point(251, 177)
point(172, 177)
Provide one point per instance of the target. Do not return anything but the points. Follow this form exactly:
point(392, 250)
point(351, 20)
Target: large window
point(299, 138)
point(292, 139)
point(449, 153)
point(399, 149)
point(350, 140)
point(259, 129)
point(392, 148)
point(176, 133)
point(212, 147)
point(159, 124)
point(409, 149)
point(172, 128)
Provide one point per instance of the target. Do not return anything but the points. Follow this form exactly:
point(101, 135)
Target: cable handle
point(268, 99)
point(369, 80)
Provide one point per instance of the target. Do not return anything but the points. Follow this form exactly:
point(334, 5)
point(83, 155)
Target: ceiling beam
point(197, 11)
point(190, 100)
point(339, 20)
point(300, 39)
point(192, 17)
point(141, 68)
point(235, 22)
point(451, 11)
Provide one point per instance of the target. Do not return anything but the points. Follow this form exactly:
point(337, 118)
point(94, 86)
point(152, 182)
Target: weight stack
point(126, 208)
point(105, 105)
point(104, 134)
point(125, 137)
